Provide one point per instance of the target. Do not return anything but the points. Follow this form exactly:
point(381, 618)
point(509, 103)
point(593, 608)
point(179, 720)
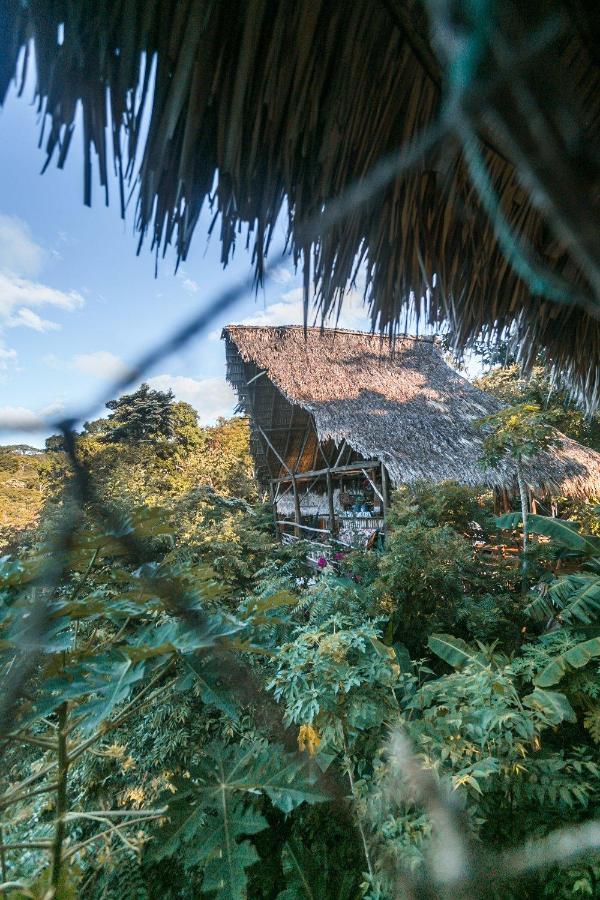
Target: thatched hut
point(338, 414)
point(276, 107)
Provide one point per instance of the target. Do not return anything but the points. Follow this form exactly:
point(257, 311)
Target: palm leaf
point(455, 651)
point(564, 533)
point(571, 598)
point(553, 706)
point(575, 658)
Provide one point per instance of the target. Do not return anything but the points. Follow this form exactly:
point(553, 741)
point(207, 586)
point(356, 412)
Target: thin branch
point(104, 815)
point(29, 739)
point(76, 848)
point(28, 794)
point(61, 796)
point(8, 796)
point(27, 845)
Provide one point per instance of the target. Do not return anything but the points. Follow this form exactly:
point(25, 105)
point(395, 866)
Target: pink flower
point(321, 562)
point(339, 555)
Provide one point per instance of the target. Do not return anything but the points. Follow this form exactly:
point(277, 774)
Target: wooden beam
point(302, 449)
point(373, 485)
point(385, 490)
point(289, 436)
point(355, 468)
point(305, 527)
point(340, 454)
point(274, 506)
point(330, 502)
point(297, 511)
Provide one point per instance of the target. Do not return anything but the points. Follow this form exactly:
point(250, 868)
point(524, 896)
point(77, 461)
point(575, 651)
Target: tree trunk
point(525, 517)
point(524, 505)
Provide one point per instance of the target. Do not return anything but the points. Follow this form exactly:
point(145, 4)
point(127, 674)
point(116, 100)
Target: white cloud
point(7, 356)
point(21, 261)
point(18, 295)
point(100, 364)
point(212, 397)
point(53, 409)
point(190, 285)
point(27, 318)
point(289, 310)
point(18, 250)
point(281, 275)
point(16, 291)
point(19, 417)
point(25, 424)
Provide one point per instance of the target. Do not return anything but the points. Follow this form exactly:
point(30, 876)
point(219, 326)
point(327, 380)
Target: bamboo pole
point(274, 507)
point(297, 512)
point(330, 502)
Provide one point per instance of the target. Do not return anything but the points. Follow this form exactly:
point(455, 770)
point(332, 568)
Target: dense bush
point(204, 715)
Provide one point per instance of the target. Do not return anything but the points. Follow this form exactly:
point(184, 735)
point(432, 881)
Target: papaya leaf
point(107, 681)
point(102, 684)
point(211, 816)
point(206, 672)
point(183, 637)
point(230, 855)
point(553, 705)
point(455, 651)
point(575, 658)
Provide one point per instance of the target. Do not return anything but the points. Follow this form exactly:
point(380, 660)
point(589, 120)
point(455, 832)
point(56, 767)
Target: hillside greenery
point(201, 715)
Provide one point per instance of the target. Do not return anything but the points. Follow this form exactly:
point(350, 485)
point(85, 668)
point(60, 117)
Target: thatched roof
point(405, 407)
point(289, 102)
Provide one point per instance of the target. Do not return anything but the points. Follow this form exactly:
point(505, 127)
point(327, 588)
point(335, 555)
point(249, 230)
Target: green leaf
point(109, 681)
point(571, 598)
point(403, 657)
point(565, 533)
point(211, 814)
point(575, 658)
point(182, 637)
point(101, 684)
point(578, 597)
point(225, 872)
point(307, 875)
point(553, 705)
point(207, 674)
point(455, 651)
point(509, 521)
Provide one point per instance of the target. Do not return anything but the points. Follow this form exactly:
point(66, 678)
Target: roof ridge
point(318, 328)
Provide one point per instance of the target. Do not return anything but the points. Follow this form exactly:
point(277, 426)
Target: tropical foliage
point(201, 714)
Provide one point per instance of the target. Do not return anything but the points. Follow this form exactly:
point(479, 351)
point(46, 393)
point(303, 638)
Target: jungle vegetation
point(205, 717)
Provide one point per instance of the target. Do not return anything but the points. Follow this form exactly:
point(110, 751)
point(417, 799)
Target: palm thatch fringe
point(289, 102)
point(404, 406)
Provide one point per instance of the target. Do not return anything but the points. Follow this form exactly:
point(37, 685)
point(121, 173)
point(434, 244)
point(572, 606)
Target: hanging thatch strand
point(405, 407)
point(289, 102)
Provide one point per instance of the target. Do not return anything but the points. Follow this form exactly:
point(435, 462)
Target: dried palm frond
point(290, 102)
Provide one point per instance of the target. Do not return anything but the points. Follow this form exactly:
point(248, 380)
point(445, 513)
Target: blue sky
point(77, 304)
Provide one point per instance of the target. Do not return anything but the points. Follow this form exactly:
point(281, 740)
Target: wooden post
point(297, 514)
point(330, 502)
point(385, 490)
point(274, 505)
